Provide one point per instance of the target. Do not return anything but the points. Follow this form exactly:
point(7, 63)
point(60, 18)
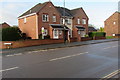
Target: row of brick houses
point(112, 25)
point(51, 18)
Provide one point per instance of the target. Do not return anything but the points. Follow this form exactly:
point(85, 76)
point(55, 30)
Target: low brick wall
point(86, 38)
point(27, 43)
point(73, 39)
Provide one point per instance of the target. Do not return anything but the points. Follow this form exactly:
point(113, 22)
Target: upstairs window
point(78, 21)
point(45, 18)
point(54, 18)
point(83, 21)
point(68, 21)
point(25, 20)
point(114, 23)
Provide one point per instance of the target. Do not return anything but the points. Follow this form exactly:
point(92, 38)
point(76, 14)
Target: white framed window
point(45, 18)
point(45, 32)
point(54, 18)
point(114, 22)
point(25, 20)
point(69, 21)
point(55, 34)
point(60, 32)
point(83, 21)
point(78, 31)
point(78, 21)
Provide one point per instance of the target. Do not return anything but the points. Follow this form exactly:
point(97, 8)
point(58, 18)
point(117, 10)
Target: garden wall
point(27, 43)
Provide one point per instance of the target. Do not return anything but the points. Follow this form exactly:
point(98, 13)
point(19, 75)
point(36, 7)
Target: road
point(87, 61)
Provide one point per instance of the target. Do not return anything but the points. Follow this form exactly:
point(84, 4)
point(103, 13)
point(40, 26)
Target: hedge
point(97, 34)
point(11, 34)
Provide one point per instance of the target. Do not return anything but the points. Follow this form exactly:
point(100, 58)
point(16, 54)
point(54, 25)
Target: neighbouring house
point(51, 18)
point(92, 29)
point(4, 25)
point(112, 25)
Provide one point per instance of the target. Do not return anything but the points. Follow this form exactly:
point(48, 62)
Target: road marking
point(18, 54)
point(67, 56)
point(107, 48)
point(111, 75)
point(9, 69)
point(9, 55)
point(110, 47)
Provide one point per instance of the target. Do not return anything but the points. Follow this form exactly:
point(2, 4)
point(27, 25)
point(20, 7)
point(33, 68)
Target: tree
point(11, 34)
point(101, 29)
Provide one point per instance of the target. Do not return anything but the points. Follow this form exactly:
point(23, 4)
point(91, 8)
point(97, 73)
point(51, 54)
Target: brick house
point(4, 25)
point(51, 18)
point(112, 25)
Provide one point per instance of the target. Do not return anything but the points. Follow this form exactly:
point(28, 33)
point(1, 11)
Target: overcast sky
point(97, 11)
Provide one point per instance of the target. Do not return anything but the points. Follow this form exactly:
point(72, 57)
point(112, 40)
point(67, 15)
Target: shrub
point(11, 34)
point(40, 36)
point(97, 34)
point(47, 37)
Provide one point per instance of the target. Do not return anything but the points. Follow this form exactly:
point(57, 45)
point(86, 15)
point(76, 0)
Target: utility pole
point(64, 23)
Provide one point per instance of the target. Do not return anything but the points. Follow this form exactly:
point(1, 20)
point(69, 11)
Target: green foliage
point(45, 37)
point(109, 37)
point(101, 29)
point(40, 36)
point(11, 34)
point(86, 35)
point(97, 34)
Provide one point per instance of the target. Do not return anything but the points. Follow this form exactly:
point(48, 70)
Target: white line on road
point(111, 75)
point(18, 54)
point(110, 47)
point(67, 56)
point(9, 69)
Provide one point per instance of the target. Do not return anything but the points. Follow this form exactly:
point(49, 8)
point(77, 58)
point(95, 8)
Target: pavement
point(97, 60)
point(53, 46)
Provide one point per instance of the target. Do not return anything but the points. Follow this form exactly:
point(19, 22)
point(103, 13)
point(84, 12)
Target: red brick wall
point(29, 27)
point(81, 15)
point(27, 43)
point(50, 10)
point(86, 38)
point(111, 28)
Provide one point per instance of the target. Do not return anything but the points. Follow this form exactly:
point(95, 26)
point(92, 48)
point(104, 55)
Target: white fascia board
point(27, 15)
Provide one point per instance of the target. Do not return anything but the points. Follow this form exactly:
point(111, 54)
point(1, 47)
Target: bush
point(11, 34)
point(47, 37)
point(97, 34)
point(40, 36)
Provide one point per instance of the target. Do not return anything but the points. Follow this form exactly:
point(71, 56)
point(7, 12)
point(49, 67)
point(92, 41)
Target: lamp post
point(64, 23)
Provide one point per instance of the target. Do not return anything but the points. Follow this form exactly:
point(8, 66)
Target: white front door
point(55, 34)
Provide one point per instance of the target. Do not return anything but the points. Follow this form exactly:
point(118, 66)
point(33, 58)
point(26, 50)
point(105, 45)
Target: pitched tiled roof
point(61, 11)
point(91, 29)
point(74, 11)
point(38, 7)
point(34, 9)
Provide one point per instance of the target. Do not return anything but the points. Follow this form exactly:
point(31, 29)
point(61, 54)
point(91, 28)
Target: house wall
point(4, 25)
point(50, 10)
point(110, 27)
point(81, 15)
point(30, 27)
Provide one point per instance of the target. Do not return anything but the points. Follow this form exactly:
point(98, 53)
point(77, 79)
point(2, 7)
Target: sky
point(97, 11)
